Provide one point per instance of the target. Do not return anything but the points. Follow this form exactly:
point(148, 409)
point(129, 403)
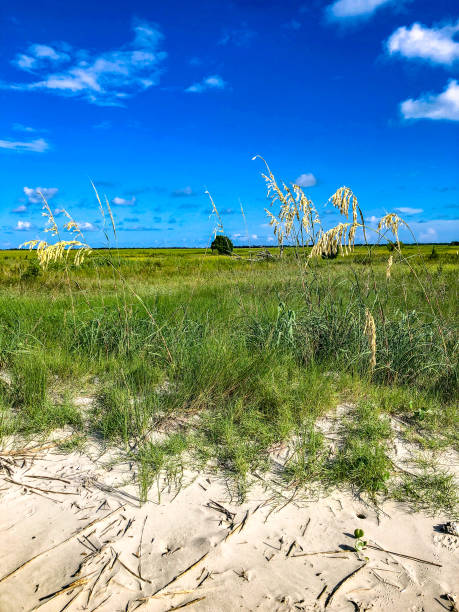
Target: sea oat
point(391, 222)
point(390, 261)
point(370, 332)
point(49, 253)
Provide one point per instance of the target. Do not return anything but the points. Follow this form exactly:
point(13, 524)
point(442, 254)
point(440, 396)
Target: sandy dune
point(98, 549)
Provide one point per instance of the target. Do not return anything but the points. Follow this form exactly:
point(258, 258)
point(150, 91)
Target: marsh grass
point(363, 460)
point(235, 355)
point(433, 490)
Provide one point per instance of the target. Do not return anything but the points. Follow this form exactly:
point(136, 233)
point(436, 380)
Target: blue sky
point(156, 102)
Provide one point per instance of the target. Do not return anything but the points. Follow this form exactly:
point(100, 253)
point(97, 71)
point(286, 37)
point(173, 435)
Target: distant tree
point(222, 244)
point(433, 253)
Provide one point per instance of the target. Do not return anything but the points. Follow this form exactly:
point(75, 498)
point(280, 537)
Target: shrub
point(222, 244)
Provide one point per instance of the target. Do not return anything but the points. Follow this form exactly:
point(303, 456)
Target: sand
point(78, 544)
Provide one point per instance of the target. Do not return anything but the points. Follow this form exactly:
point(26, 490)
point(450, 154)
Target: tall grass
point(237, 355)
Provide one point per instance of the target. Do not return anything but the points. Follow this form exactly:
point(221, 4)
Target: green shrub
point(222, 244)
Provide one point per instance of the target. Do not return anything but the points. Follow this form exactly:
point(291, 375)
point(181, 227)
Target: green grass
point(234, 357)
point(432, 490)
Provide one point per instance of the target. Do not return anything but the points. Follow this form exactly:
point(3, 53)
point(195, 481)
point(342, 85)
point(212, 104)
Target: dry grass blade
point(320, 552)
point(239, 527)
point(219, 508)
point(27, 486)
point(41, 477)
point(77, 533)
point(91, 590)
point(138, 576)
point(68, 587)
point(391, 552)
point(188, 603)
point(68, 604)
point(167, 594)
point(101, 603)
point(185, 571)
point(336, 588)
point(139, 551)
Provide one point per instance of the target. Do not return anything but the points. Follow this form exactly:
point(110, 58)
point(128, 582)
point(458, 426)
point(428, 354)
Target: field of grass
point(231, 357)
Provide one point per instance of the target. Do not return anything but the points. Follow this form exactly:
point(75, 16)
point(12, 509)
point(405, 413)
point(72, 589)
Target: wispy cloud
point(443, 106)
point(436, 44)
point(106, 79)
point(352, 9)
point(211, 82)
point(103, 125)
point(429, 234)
point(33, 194)
point(240, 37)
point(306, 180)
point(40, 56)
point(407, 210)
point(293, 24)
point(117, 201)
point(22, 208)
point(39, 145)
point(86, 226)
point(23, 226)
point(186, 192)
point(19, 127)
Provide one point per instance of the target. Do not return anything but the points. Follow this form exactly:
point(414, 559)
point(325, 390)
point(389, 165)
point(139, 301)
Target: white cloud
point(373, 219)
point(186, 192)
point(86, 226)
point(34, 197)
point(103, 125)
point(39, 145)
point(19, 127)
point(254, 236)
point(293, 24)
point(211, 82)
point(407, 210)
point(345, 9)
point(434, 106)
point(20, 209)
point(39, 56)
point(434, 44)
point(240, 37)
point(106, 79)
point(306, 180)
point(429, 234)
point(117, 201)
point(435, 230)
point(23, 226)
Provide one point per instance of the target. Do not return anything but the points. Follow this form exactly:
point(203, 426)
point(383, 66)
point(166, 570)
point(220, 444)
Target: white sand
point(257, 567)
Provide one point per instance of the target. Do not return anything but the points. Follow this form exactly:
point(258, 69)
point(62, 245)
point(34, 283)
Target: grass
point(235, 357)
point(432, 490)
point(363, 460)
